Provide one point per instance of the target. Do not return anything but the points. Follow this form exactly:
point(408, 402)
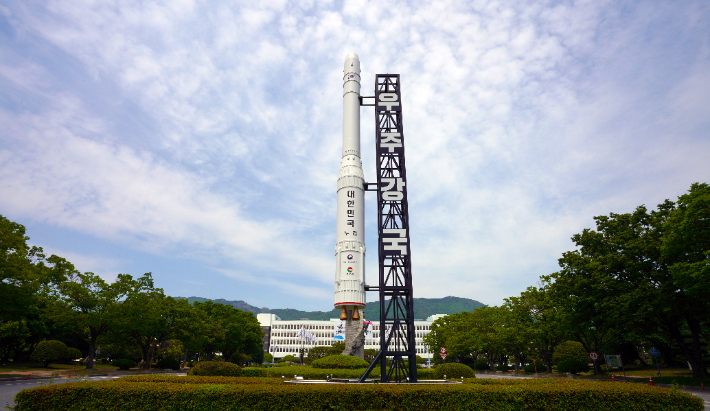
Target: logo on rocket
point(350, 269)
point(350, 257)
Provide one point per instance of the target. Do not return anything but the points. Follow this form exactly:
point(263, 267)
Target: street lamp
point(150, 361)
point(428, 360)
point(532, 348)
point(273, 348)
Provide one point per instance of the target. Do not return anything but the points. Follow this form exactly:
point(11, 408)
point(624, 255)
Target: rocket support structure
point(350, 226)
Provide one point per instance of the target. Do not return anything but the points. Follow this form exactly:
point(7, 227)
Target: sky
point(201, 140)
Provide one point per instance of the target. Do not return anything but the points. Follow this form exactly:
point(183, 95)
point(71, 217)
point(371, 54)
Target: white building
point(280, 336)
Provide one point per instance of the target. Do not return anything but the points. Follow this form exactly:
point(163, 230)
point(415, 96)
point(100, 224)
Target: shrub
point(74, 353)
point(569, 350)
point(50, 351)
point(223, 394)
point(253, 372)
point(482, 366)
point(424, 374)
point(530, 368)
point(453, 370)
point(168, 364)
point(573, 366)
point(289, 358)
point(503, 367)
point(214, 368)
point(124, 364)
point(340, 361)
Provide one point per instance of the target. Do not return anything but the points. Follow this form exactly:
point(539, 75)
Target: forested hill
point(423, 308)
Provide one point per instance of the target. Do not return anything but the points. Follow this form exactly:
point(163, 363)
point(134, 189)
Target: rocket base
point(355, 336)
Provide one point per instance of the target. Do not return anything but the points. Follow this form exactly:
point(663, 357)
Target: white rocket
point(350, 235)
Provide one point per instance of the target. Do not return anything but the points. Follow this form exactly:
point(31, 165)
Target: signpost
point(614, 362)
point(594, 357)
point(655, 353)
point(442, 353)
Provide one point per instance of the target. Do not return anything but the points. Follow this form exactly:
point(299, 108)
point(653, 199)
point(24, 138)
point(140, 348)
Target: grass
point(636, 373)
point(73, 366)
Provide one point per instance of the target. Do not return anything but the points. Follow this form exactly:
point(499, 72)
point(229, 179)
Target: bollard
point(650, 382)
point(444, 377)
point(461, 379)
point(702, 386)
point(612, 378)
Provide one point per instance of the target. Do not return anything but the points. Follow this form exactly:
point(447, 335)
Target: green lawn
point(38, 366)
point(680, 376)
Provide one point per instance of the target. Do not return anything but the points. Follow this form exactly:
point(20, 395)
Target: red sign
point(442, 353)
point(593, 356)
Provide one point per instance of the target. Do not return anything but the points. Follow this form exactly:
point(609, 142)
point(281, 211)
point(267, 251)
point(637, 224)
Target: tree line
point(638, 280)
point(46, 298)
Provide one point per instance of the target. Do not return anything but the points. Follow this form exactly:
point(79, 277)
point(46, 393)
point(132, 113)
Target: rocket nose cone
point(352, 64)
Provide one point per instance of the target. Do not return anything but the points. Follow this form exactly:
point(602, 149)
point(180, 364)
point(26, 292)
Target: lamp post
point(428, 360)
point(150, 360)
point(532, 348)
point(273, 349)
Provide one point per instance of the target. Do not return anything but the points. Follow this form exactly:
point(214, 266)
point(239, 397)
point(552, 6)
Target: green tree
point(685, 249)
point(50, 351)
point(639, 268)
point(536, 322)
point(25, 276)
point(569, 350)
point(229, 330)
point(146, 318)
point(21, 272)
point(88, 302)
point(486, 331)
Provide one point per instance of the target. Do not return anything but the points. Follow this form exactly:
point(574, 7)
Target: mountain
point(423, 308)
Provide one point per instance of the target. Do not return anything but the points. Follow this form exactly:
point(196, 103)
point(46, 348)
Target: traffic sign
point(654, 352)
point(442, 353)
point(593, 356)
point(442, 350)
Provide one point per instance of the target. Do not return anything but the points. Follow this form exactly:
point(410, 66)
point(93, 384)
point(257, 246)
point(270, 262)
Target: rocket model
point(350, 235)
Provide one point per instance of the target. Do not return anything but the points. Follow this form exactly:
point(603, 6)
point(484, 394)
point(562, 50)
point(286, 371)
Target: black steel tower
point(397, 333)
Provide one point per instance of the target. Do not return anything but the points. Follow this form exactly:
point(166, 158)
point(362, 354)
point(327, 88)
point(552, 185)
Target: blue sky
point(200, 140)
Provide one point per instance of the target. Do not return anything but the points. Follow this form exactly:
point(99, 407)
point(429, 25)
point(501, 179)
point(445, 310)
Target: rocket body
point(350, 226)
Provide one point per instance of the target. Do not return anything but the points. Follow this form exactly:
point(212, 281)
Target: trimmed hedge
point(530, 368)
point(216, 368)
point(573, 366)
point(121, 394)
point(168, 364)
point(453, 370)
point(311, 373)
point(74, 353)
point(175, 379)
point(124, 364)
point(50, 351)
point(482, 366)
point(253, 372)
point(340, 362)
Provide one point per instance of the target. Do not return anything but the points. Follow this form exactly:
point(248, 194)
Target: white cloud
point(212, 130)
